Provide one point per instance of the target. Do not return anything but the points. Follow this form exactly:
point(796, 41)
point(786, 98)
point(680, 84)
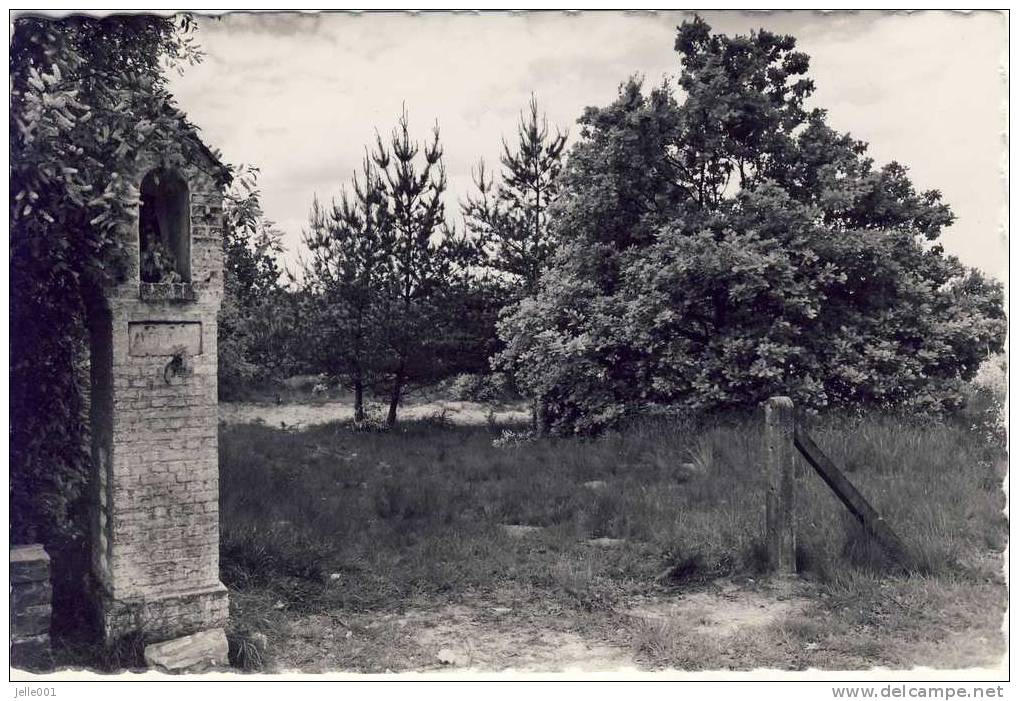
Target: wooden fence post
point(780, 471)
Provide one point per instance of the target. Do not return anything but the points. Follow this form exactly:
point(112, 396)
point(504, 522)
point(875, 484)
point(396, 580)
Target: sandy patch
point(720, 613)
point(304, 415)
point(462, 639)
point(514, 530)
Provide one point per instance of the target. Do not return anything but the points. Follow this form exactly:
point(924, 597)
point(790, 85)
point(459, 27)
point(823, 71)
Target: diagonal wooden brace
point(848, 495)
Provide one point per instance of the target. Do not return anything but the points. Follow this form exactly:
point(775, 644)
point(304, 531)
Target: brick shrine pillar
point(155, 515)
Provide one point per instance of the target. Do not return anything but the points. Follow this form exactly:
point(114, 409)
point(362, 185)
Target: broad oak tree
point(726, 244)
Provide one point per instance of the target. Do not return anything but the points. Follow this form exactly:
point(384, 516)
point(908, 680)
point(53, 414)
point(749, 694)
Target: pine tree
point(350, 248)
point(511, 220)
point(420, 260)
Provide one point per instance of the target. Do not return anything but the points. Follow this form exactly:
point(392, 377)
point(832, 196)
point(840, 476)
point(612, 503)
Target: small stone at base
point(192, 653)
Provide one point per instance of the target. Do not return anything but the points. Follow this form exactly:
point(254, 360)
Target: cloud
point(925, 89)
point(300, 95)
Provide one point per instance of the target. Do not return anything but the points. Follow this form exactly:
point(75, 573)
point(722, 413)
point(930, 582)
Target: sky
point(302, 95)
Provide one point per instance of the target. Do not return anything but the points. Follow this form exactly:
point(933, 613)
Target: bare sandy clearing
point(304, 415)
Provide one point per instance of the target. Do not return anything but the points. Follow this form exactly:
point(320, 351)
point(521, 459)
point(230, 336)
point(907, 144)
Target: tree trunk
point(358, 400)
point(394, 400)
point(539, 417)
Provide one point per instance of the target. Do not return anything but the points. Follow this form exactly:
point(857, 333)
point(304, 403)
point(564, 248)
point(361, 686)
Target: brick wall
point(156, 513)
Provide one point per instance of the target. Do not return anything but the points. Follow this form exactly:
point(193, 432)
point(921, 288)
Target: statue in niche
point(164, 228)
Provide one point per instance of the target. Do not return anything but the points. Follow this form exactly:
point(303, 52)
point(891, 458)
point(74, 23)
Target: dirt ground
point(722, 627)
point(504, 632)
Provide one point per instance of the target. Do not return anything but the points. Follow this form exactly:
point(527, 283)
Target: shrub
point(985, 397)
point(374, 420)
point(510, 438)
point(482, 388)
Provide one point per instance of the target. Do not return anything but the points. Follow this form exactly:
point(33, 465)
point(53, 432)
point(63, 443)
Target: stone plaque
point(164, 337)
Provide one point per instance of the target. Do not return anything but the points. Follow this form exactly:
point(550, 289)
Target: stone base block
point(198, 652)
point(29, 652)
point(30, 610)
point(161, 618)
point(29, 563)
point(29, 621)
point(29, 594)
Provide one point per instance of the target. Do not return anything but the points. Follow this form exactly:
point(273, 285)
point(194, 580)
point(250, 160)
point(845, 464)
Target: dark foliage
point(87, 95)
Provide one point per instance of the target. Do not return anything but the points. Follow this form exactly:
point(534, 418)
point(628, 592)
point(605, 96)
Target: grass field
point(335, 543)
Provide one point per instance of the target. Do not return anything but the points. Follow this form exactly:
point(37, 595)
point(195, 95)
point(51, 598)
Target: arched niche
point(164, 228)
